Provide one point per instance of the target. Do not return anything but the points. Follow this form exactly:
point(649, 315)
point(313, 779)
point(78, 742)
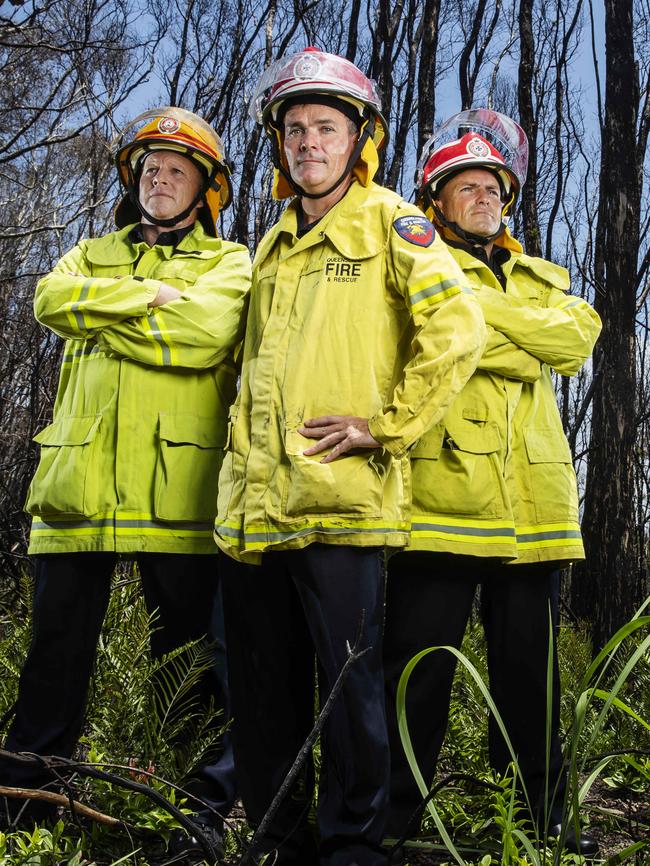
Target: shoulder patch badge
point(416, 230)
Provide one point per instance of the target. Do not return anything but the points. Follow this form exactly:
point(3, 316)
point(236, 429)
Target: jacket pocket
point(64, 482)
point(184, 268)
point(237, 433)
point(349, 485)
point(456, 469)
point(187, 471)
point(553, 485)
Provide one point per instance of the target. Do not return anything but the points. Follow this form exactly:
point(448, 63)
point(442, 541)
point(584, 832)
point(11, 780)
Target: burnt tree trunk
point(528, 120)
point(427, 72)
point(606, 588)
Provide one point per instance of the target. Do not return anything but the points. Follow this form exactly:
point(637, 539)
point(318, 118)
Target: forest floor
point(617, 819)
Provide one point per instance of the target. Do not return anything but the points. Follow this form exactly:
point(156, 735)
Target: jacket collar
point(117, 249)
point(556, 275)
point(349, 226)
point(171, 238)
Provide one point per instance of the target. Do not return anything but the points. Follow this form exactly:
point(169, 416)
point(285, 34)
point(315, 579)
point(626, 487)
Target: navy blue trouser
point(429, 602)
point(71, 594)
point(300, 606)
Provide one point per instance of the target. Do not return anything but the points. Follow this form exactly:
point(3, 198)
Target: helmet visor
point(311, 71)
point(501, 131)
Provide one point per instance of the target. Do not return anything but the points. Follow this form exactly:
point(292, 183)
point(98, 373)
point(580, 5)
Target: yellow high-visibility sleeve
point(447, 341)
point(503, 357)
point(561, 333)
point(196, 330)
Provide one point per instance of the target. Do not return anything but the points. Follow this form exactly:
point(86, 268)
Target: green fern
point(15, 631)
point(145, 709)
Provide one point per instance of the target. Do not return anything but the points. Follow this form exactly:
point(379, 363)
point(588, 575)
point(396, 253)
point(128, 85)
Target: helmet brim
point(508, 180)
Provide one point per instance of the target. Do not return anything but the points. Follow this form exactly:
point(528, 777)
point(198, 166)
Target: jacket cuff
point(395, 445)
point(150, 288)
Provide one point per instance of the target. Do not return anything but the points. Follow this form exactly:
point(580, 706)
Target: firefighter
point(151, 315)
point(360, 332)
point(495, 501)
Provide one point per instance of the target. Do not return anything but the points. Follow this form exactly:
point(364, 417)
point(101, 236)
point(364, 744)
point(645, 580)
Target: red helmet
point(313, 71)
point(476, 138)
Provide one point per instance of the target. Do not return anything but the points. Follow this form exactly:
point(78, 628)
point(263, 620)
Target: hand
point(341, 433)
point(165, 294)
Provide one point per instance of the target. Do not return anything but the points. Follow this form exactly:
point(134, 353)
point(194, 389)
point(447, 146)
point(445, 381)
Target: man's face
point(168, 184)
point(472, 200)
point(318, 142)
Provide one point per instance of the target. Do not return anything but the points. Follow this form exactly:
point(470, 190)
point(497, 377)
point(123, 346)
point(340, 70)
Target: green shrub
point(141, 714)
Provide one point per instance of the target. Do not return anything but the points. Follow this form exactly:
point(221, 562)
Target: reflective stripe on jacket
point(495, 478)
point(131, 460)
point(367, 314)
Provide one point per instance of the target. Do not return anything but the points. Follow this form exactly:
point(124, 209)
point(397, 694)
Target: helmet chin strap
point(368, 131)
point(468, 237)
point(170, 221)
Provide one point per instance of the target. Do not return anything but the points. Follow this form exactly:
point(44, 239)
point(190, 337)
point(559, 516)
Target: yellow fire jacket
point(131, 460)
point(495, 477)
point(367, 314)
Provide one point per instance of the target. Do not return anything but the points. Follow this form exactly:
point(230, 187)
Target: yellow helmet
point(176, 129)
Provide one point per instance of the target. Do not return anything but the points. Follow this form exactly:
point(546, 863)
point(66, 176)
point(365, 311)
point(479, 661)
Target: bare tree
point(476, 45)
point(611, 587)
point(585, 203)
point(427, 71)
point(528, 121)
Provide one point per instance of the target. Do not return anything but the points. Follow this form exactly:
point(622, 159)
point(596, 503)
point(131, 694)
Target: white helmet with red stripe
point(475, 138)
point(310, 72)
point(313, 75)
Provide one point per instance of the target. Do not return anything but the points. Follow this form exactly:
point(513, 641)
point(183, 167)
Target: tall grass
point(606, 716)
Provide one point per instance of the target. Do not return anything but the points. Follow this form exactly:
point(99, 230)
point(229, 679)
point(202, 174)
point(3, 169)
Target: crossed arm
point(520, 338)
point(148, 320)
